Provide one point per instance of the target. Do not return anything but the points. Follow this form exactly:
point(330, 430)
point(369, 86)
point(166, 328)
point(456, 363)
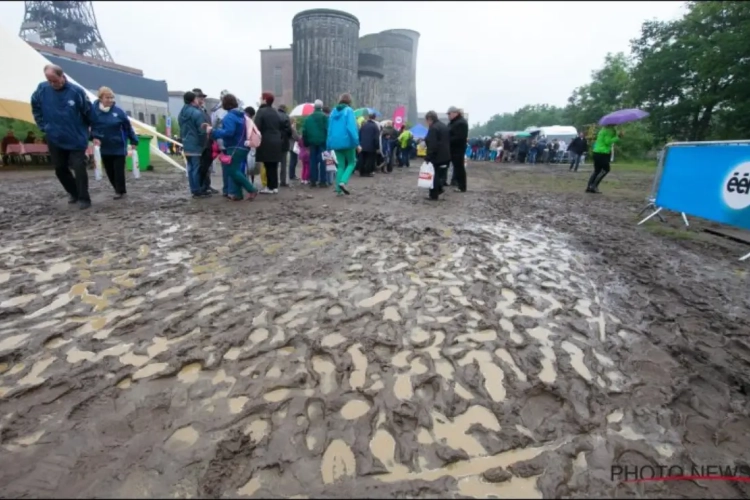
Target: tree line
point(691, 74)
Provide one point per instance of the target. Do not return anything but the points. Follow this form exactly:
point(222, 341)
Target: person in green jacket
point(315, 134)
point(605, 139)
point(404, 142)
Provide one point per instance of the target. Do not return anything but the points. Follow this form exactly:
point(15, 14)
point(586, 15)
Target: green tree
point(20, 128)
point(608, 91)
point(161, 126)
point(691, 70)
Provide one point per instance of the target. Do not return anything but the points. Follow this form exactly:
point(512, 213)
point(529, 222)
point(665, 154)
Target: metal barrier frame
point(651, 199)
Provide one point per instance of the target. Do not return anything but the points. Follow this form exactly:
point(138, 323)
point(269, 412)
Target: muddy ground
point(515, 341)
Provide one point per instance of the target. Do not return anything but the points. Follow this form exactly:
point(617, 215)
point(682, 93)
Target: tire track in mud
point(350, 354)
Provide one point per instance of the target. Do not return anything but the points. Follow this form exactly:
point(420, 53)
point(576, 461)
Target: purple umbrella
point(623, 116)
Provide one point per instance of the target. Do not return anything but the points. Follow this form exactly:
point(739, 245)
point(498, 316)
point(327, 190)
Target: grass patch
point(642, 167)
point(661, 229)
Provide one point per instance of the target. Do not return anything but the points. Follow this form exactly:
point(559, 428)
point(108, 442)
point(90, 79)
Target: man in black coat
point(286, 137)
point(268, 121)
point(577, 148)
point(438, 143)
point(459, 134)
point(369, 145)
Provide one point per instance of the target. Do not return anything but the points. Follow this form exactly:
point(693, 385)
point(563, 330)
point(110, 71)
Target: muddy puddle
point(472, 359)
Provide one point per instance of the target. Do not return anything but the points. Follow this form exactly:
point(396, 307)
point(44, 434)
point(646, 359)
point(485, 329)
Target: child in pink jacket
point(304, 157)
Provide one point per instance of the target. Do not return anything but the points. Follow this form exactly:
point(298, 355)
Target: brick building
point(277, 75)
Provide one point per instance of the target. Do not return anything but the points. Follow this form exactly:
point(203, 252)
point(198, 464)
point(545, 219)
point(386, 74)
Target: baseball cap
point(453, 109)
point(318, 103)
point(199, 93)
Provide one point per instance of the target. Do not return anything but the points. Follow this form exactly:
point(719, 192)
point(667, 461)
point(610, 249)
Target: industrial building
point(325, 54)
point(176, 102)
point(277, 74)
point(396, 51)
point(411, 107)
point(142, 98)
point(328, 58)
point(370, 80)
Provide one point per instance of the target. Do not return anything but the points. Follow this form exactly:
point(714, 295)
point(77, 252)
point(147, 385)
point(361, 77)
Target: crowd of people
point(528, 150)
point(329, 145)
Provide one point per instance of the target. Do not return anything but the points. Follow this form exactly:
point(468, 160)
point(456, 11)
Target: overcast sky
point(487, 57)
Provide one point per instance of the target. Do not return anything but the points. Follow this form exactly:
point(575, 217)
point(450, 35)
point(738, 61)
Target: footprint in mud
point(383, 447)
point(358, 376)
point(182, 438)
point(316, 429)
point(257, 430)
point(338, 462)
point(326, 370)
point(354, 409)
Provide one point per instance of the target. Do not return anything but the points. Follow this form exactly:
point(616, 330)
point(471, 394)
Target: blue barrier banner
point(711, 182)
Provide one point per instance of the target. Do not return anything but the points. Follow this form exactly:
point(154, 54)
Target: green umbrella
point(523, 134)
point(365, 112)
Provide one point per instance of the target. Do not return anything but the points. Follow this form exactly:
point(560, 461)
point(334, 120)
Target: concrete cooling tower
point(325, 55)
point(396, 51)
point(411, 111)
point(370, 74)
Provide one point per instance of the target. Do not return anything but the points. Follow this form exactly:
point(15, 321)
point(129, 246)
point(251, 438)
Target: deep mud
point(507, 342)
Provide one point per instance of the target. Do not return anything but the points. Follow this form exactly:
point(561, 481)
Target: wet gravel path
point(507, 342)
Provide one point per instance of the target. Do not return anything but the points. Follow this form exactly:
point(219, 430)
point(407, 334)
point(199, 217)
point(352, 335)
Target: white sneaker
point(265, 191)
point(275, 191)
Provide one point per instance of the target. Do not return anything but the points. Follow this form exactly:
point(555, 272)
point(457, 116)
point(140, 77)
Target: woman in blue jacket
point(233, 132)
point(111, 128)
point(343, 138)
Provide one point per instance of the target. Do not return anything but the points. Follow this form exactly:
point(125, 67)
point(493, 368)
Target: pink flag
point(398, 117)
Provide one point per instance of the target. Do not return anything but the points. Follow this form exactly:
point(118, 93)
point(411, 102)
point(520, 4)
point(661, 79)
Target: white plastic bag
point(295, 149)
point(97, 163)
point(426, 176)
point(136, 166)
point(331, 162)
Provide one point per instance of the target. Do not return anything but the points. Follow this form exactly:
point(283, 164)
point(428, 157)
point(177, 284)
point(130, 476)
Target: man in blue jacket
point(62, 112)
point(193, 124)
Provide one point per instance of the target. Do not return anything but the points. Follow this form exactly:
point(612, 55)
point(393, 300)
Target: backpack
point(253, 134)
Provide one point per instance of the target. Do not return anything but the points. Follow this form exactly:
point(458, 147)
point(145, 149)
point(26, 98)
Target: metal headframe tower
point(62, 24)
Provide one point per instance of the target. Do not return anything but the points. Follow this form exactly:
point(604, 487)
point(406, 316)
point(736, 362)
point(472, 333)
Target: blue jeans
point(532, 157)
point(193, 170)
point(317, 166)
point(575, 161)
point(404, 157)
point(387, 151)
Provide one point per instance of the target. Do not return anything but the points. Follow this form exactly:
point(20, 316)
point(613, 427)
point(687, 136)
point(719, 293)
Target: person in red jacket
point(9, 139)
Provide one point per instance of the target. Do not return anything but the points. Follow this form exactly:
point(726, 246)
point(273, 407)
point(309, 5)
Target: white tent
point(558, 132)
point(23, 70)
